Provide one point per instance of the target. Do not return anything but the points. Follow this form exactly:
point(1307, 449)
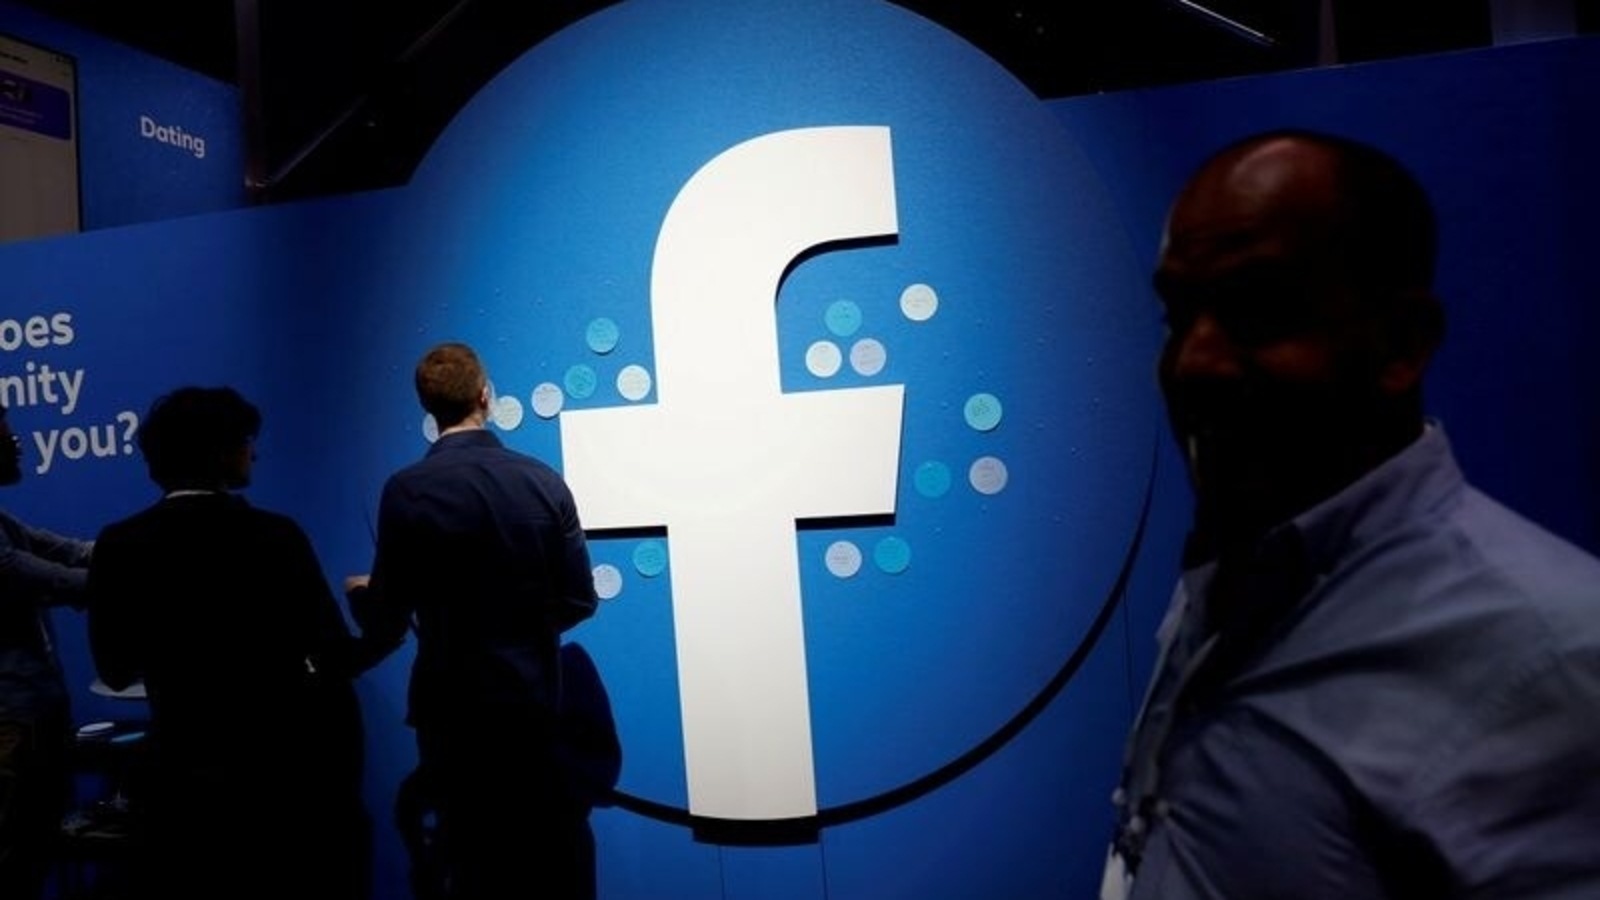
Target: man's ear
point(1415, 330)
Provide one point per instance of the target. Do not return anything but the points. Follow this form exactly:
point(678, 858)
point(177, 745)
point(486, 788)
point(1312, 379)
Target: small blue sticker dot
point(580, 381)
point(602, 335)
point(932, 479)
point(843, 318)
point(650, 558)
point(892, 555)
point(983, 412)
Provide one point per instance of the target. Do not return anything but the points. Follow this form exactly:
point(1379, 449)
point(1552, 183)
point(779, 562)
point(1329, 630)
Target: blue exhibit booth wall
point(317, 310)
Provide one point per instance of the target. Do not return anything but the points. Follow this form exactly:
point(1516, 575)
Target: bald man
point(1373, 681)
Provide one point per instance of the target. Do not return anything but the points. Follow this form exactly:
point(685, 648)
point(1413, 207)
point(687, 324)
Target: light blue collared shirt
point(1421, 718)
point(38, 569)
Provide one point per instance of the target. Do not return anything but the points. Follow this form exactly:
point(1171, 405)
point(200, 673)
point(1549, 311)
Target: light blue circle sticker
point(602, 335)
point(506, 413)
point(932, 479)
point(843, 559)
point(919, 302)
point(607, 581)
point(843, 318)
point(983, 412)
point(580, 381)
point(988, 475)
point(823, 359)
point(868, 356)
point(546, 400)
point(892, 555)
point(633, 383)
point(650, 558)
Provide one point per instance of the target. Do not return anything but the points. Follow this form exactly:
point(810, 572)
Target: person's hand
point(357, 591)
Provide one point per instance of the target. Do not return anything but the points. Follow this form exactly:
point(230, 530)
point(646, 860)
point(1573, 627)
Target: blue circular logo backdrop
point(536, 215)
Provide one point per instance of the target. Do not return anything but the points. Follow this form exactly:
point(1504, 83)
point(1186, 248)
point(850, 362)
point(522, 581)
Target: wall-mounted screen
point(38, 141)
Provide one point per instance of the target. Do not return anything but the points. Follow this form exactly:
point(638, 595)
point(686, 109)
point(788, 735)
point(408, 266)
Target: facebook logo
point(728, 462)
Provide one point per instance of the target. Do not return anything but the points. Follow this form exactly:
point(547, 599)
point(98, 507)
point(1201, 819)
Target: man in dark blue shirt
point(480, 548)
point(37, 570)
point(1374, 681)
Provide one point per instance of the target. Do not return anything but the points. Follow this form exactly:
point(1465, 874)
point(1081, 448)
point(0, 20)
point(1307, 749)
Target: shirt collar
point(1420, 477)
point(471, 437)
point(1288, 559)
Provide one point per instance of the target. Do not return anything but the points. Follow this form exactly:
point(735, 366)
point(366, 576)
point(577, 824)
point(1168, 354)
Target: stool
point(99, 838)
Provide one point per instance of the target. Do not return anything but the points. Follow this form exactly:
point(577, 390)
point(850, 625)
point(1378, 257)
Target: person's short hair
point(190, 436)
point(1384, 227)
point(450, 379)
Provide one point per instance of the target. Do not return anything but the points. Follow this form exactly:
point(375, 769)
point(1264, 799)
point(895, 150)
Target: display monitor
point(38, 141)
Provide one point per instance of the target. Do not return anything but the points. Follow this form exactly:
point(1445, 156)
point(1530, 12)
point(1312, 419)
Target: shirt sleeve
point(331, 648)
point(384, 608)
point(1513, 803)
point(1276, 821)
point(40, 567)
point(575, 600)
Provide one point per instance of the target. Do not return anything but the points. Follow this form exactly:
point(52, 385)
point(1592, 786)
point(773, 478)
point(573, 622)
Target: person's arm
point(41, 568)
point(58, 548)
point(330, 648)
point(1514, 801)
point(380, 602)
point(574, 599)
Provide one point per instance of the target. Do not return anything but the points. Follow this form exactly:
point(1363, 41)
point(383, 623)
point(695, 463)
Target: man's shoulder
point(485, 465)
point(507, 466)
point(230, 515)
point(134, 523)
point(530, 462)
point(468, 457)
point(414, 472)
point(273, 522)
point(1522, 548)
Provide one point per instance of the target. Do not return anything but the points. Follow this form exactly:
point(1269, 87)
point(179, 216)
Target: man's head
point(10, 452)
point(452, 386)
point(1296, 271)
point(199, 438)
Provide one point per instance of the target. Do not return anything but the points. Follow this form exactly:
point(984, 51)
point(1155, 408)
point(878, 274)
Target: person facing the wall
point(38, 570)
point(224, 613)
point(1373, 681)
point(483, 547)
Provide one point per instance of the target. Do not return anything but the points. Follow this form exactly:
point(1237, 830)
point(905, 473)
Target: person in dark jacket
point(482, 546)
point(223, 611)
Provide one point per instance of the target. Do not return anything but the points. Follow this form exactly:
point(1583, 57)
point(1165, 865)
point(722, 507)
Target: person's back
point(480, 536)
point(219, 615)
point(482, 549)
point(223, 612)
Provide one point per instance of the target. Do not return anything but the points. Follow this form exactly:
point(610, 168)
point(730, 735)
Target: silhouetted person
point(482, 545)
point(223, 611)
point(587, 751)
point(38, 570)
point(1374, 680)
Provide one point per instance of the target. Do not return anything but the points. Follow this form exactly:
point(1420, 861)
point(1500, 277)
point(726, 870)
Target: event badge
point(1116, 882)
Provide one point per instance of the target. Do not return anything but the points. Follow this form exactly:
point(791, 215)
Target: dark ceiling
point(343, 95)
